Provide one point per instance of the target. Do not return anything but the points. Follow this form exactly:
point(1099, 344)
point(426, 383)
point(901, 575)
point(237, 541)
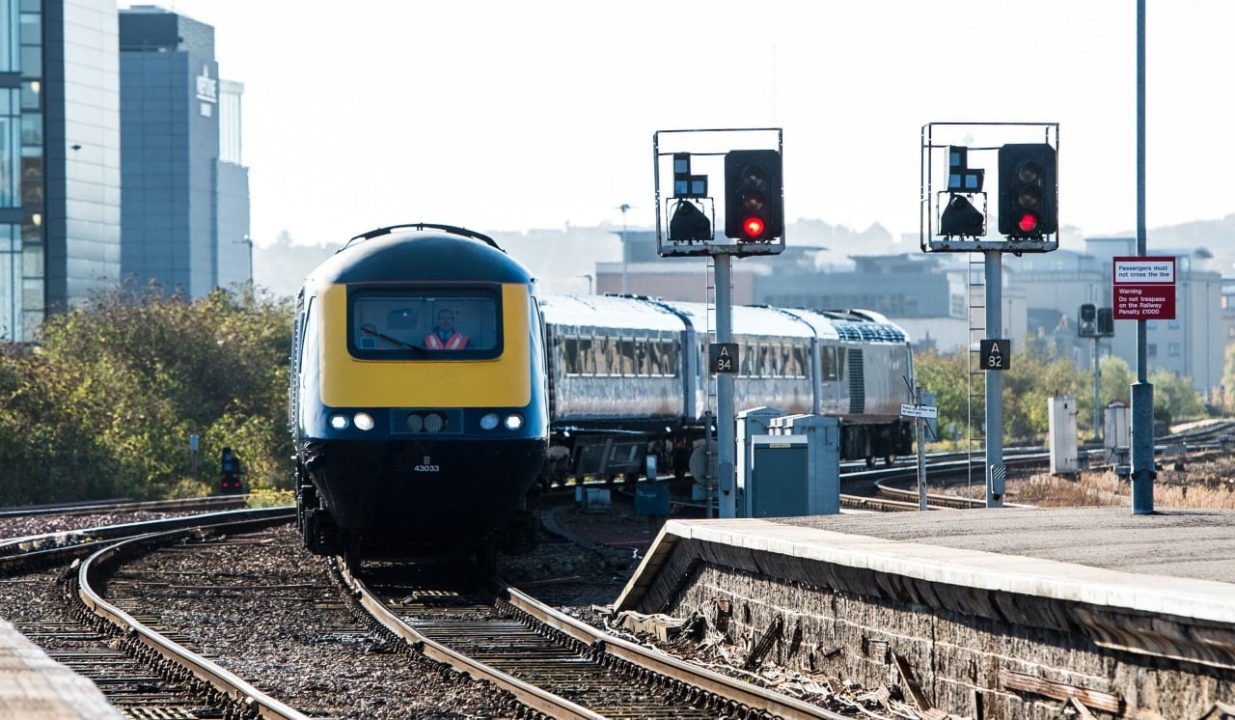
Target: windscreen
point(418, 323)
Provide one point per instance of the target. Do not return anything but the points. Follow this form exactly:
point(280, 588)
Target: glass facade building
point(185, 219)
point(59, 158)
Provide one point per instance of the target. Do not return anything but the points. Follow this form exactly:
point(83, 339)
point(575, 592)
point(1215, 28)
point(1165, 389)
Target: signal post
point(754, 223)
point(952, 218)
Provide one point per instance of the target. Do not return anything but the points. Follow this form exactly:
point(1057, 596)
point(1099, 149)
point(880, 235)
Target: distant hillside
point(560, 258)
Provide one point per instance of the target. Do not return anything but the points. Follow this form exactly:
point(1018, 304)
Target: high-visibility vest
point(456, 342)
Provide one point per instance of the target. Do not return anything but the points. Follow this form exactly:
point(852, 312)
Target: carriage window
point(627, 351)
point(416, 324)
point(570, 351)
point(587, 360)
point(798, 362)
point(643, 363)
point(670, 359)
point(603, 354)
point(746, 361)
point(840, 364)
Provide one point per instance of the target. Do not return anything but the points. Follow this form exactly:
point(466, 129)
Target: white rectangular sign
point(1144, 270)
point(922, 411)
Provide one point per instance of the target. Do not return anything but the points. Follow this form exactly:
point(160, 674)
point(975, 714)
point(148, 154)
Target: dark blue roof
point(416, 256)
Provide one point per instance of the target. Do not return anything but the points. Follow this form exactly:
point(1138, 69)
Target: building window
point(1151, 324)
point(1172, 349)
point(1151, 349)
point(10, 36)
point(1173, 324)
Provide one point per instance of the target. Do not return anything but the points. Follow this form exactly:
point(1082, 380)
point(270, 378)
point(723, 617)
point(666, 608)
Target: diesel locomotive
point(418, 404)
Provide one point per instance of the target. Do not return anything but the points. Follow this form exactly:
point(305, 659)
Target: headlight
point(415, 423)
point(339, 422)
point(434, 422)
point(514, 422)
point(488, 422)
point(363, 420)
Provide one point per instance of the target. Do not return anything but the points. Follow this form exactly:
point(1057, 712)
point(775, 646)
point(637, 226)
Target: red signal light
point(1028, 222)
point(753, 227)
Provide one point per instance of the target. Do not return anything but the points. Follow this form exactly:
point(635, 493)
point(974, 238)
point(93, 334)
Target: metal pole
point(1142, 391)
point(1097, 393)
point(725, 428)
point(919, 429)
point(709, 450)
point(995, 471)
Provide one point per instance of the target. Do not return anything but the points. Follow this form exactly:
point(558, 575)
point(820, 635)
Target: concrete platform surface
point(1177, 562)
point(35, 687)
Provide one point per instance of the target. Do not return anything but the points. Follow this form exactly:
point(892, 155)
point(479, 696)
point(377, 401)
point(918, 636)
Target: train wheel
point(870, 462)
point(889, 460)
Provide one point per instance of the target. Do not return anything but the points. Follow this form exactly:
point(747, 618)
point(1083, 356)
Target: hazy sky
point(517, 115)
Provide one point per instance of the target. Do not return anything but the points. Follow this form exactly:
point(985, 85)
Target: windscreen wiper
point(369, 329)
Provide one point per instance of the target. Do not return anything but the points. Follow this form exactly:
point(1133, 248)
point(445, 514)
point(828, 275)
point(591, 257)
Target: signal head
point(1028, 192)
point(753, 192)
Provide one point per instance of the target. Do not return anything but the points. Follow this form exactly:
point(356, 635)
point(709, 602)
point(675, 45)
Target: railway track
point(143, 673)
point(553, 664)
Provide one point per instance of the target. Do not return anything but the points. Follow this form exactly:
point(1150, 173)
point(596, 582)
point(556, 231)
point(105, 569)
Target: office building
point(59, 158)
point(185, 210)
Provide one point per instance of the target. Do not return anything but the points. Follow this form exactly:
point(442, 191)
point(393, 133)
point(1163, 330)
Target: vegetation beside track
point(104, 404)
point(1034, 377)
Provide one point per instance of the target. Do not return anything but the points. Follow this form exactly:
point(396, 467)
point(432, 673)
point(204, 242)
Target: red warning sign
point(1143, 288)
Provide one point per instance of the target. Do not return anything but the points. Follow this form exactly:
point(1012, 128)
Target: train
point(417, 397)
point(628, 375)
point(433, 388)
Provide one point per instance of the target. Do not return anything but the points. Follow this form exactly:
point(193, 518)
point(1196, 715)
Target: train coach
point(628, 373)
point(417, 399)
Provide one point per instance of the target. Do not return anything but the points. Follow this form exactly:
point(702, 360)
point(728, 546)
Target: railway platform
point(35, 687)
point(1010, 613)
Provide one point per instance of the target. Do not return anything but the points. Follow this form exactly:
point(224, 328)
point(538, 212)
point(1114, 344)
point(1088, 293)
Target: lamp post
point(624, 207)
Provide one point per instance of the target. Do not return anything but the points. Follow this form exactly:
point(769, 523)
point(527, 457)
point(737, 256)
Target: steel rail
point(736, 691)
point(217, 677)
point(529, 695)
point(67, 538)
point(93, 507)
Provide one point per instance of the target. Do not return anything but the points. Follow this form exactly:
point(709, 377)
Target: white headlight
point(514, 422)
point(490, 421)
point(339, 422)
point(363, 420)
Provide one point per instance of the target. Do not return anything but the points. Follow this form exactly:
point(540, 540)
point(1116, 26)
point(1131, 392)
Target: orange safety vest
point(456, 342)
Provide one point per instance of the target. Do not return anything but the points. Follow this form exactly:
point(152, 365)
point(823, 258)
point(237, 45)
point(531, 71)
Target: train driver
point(444, 335)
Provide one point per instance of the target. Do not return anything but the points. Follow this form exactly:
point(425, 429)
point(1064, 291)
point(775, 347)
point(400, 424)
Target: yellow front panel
point(501, 382)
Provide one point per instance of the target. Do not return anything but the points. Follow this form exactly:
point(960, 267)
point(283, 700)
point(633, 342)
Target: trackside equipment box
point(795, 469)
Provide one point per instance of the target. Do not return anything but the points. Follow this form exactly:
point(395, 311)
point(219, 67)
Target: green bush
point(104, 404)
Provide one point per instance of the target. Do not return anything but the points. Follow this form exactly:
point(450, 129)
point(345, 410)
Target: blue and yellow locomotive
point(417, 396)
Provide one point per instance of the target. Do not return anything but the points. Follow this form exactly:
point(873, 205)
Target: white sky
point(518, 115)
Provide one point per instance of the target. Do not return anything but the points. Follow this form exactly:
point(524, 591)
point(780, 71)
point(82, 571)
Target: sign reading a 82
point(996, 354)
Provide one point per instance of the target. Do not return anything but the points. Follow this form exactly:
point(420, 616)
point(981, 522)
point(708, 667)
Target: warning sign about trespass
point(1143, 288)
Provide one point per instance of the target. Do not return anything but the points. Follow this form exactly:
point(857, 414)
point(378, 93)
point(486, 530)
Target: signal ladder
point(975, 432)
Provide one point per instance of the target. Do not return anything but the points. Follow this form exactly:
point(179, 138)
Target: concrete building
point(59, 158)
point(185, 220)
point(1191, 345)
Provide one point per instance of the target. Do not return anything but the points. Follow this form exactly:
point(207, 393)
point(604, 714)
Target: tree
point(105, 404)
